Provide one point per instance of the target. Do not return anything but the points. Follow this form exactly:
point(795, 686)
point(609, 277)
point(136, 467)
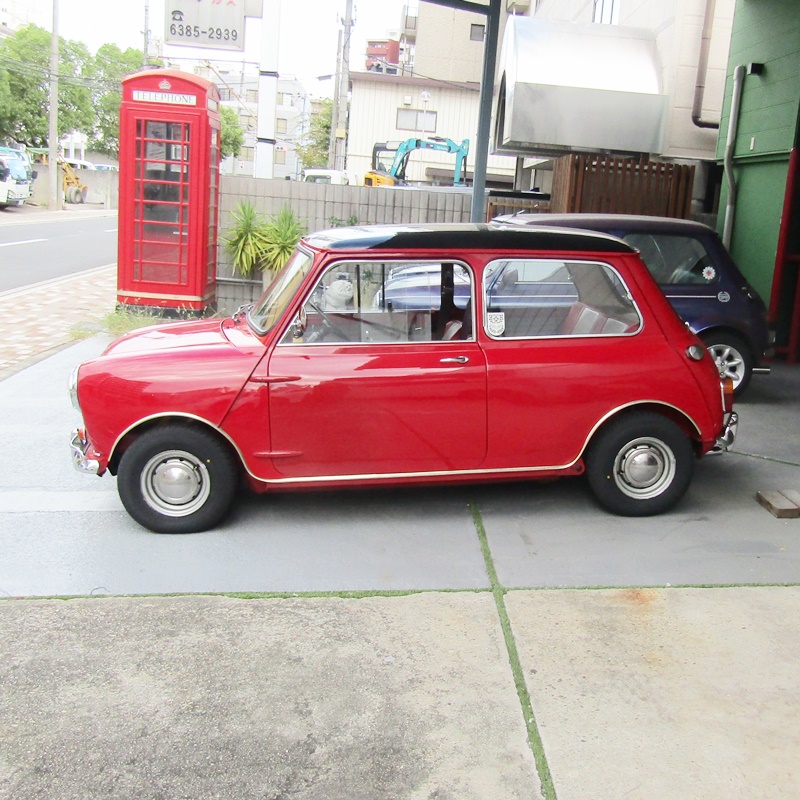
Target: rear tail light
point(727, 394)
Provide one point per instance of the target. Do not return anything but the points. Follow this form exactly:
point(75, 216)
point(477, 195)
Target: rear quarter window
point(545, 297)
point(675, 260)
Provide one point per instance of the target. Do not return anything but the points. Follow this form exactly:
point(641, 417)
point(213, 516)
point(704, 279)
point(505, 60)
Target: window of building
point(280, 156)
point(606, 12)
point(477, 33)
point(280, 125)
point(251, 95)
point(247, 154)
point(412, 119)
point(224, 93)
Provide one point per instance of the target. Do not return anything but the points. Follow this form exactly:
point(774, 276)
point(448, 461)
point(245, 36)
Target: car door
point(360, 390)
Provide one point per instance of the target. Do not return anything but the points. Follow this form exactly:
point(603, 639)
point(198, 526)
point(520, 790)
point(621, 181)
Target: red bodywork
point(320, 415)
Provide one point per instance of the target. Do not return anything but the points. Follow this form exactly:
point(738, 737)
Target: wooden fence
point(609, 185)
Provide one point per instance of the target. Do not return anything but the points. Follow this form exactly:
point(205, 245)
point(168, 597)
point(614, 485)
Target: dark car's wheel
point(732, 357)
point(640, 465)
point(177, 479)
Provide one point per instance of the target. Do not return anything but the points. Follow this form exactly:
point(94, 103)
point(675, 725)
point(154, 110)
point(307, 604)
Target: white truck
point(334, 176)
point(15, 182)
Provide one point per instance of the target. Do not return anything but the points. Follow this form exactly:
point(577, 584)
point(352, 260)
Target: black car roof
point(464, 237)
point(607, 222)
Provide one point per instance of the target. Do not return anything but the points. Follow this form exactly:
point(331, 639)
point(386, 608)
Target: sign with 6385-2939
point(216, 24)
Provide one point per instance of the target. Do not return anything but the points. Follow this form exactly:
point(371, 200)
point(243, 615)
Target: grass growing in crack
point(498, 592)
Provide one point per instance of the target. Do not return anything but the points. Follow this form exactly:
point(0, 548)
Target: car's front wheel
point(177, 479)
point(640, 465)
point(732, 357)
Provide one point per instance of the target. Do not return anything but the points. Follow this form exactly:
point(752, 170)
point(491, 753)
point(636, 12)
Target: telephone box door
point(168, 203)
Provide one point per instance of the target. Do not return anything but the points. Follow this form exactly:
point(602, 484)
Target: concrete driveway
point(437, 643)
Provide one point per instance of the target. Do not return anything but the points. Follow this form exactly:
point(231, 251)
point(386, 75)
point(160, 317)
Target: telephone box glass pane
point(161, 207)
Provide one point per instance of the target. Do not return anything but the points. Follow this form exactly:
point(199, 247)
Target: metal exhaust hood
point(567, 87)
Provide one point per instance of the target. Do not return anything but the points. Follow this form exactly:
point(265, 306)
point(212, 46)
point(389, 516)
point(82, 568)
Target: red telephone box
point(169, 138)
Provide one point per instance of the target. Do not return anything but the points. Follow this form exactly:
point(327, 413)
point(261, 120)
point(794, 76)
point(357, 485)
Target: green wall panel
point(754, 243)
point(767, 32)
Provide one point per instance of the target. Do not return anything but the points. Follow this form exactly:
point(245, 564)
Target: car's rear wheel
point(732, 357)
point(640, 465)
point(177, 479)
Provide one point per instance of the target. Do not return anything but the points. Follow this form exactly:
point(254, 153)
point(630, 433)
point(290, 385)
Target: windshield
point(17, 169)
point(268, 309)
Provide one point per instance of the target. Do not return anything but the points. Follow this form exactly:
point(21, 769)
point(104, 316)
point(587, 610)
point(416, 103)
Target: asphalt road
point(35, 248)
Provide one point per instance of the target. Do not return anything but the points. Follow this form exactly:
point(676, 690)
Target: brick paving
point(39, 319)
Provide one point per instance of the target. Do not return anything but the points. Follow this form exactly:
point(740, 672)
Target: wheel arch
point(728, 330)
point(141, 426)
point(666, 410)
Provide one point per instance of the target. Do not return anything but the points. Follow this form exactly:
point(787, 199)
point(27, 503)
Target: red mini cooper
point(548, 361)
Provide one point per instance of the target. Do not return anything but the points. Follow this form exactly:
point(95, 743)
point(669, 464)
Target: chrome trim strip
point(389, 475)
point(431, 474)
point(182, 415)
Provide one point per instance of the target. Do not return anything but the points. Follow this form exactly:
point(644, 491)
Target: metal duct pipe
point(727, 162)
point(702, 68)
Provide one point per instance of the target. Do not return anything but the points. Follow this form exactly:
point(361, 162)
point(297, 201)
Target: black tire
point(732, 356)
point(640, 465)
point(177, 479)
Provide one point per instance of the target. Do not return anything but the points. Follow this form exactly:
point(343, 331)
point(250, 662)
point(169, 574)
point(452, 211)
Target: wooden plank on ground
point(780, 503)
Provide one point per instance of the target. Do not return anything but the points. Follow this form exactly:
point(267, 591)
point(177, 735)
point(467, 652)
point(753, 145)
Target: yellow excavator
point(74, 189)
point(400, 152)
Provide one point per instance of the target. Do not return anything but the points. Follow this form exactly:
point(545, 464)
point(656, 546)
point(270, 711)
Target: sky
point(308, 31)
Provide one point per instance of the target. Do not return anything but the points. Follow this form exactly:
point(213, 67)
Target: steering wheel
point(328, 325)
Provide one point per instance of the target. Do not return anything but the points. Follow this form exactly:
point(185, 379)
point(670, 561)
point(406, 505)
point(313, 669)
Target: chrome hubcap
point(175, 483)
point(644, 468)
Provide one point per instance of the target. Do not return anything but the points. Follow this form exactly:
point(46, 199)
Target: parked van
point(15, 182)
point(335, 176)
point(79, 163)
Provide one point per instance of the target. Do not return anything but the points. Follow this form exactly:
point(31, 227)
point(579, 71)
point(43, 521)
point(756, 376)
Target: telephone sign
point(215, 24)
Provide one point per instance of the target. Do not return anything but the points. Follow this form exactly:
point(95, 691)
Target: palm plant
point(281, 234)
point(257, 244)
point(247, 240)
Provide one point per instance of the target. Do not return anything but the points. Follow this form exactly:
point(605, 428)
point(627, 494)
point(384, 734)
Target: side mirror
point(4, 173)
point(34, 175)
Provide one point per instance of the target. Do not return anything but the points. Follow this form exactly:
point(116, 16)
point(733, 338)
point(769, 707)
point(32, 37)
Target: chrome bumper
point(728, 435)
point(79, 447)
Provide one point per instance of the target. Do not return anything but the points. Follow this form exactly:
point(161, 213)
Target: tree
point(231, 133)
point(25, 87)
point(313, 151)
point(111, 66)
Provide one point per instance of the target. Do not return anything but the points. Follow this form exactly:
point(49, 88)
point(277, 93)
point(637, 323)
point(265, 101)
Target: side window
point(674, 260)
point(545, 297)
point(397, 301)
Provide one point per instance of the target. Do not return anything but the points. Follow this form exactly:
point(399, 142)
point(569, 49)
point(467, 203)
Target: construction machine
point(385, 174)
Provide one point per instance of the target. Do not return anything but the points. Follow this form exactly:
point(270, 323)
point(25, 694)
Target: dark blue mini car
point(698, 277)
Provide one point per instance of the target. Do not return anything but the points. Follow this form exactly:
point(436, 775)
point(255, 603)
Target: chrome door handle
point(456, 360)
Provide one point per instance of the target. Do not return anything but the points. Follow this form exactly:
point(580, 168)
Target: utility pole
point(267, 89)
point(52, 134)
point(145, 60)
point(337, 156)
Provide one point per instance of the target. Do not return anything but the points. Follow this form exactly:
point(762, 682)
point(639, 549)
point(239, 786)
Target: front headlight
point(73, 388)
